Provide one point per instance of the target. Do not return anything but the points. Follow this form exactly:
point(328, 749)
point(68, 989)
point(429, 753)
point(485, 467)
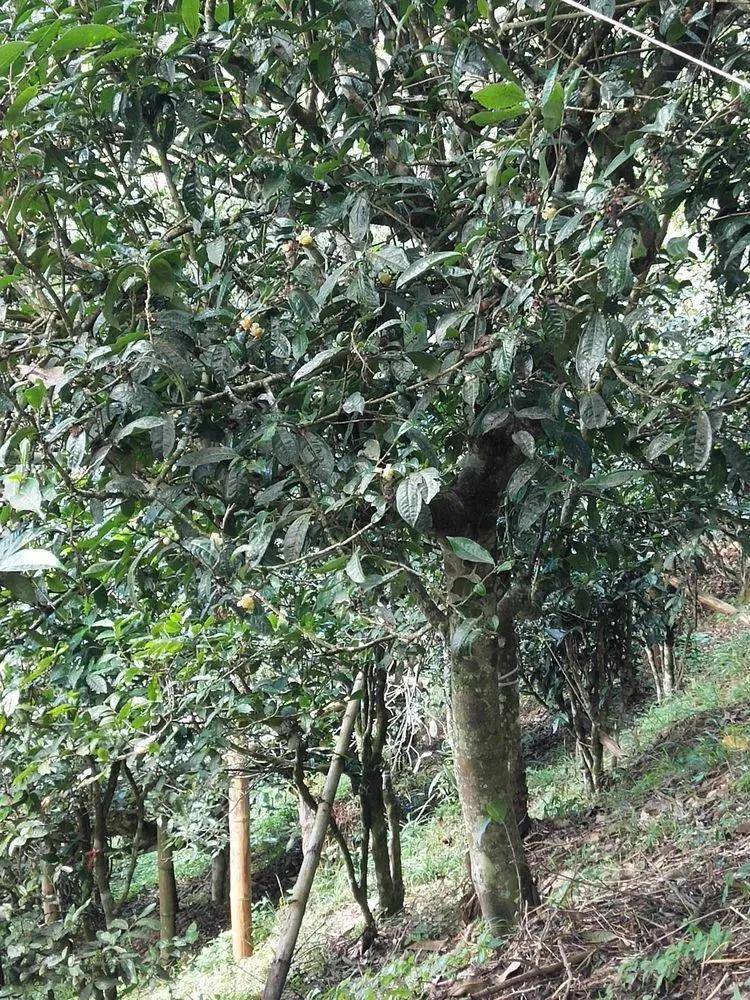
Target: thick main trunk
point(486, 748)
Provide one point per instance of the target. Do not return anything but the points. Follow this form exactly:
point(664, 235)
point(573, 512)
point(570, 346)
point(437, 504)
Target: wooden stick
point(296, 909)
point(240, 890)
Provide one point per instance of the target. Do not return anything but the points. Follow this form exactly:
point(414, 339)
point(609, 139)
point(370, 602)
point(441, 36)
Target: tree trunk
point(301, 893)
point(100, 840)
point(167, 882)
point(219, 876)
point(240, 896)
point(50, 903)
point(394, 841)
point(486, 740)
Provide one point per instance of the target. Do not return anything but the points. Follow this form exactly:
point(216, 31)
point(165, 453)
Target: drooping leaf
point(190, 12)
point(658, 445)
point(409, 499)
point(9, 52)
point(192, 193)
point(592, 348)
point(617, 262)
point(553, 106)
point(354, 569)
point(294, 539)
point(593, 410)
point(698, 440)
point(533, 507)
point(22, 492)
point(620, 477)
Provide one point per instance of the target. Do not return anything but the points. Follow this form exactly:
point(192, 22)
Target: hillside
point(645, 892)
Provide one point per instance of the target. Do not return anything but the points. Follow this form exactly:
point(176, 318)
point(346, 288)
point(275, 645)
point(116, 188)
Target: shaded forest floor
point(646, 892)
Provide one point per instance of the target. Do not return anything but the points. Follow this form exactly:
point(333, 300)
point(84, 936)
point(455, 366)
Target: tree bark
point(296, 909)
point(167, 882)
point(219, 876)
point(50, 903)
point(484, 701)
point(240, 894)
point(394, 841)
point(306, 821)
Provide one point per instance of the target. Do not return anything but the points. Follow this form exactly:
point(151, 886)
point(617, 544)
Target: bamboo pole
point(296, 909)
point(167, 884)
point(240, 893)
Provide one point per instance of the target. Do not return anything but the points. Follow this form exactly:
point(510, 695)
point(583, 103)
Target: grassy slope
point(653, 881)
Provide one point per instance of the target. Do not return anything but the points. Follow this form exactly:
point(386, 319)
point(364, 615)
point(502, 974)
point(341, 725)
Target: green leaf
point(698, 440)
point(28, 560)
point(192, 193)
point(141, 424)
point(609, 480)
point(425, 264)
point(500, 96)
point(618, 262)
point(409, 499)
point(9, 52)
point(533, 508)
point(525, 443)
point(354, 569)
point(207, 456)
point(593, 410)
point(22, 492)
point(294, 539)
point(469, 550)
point(190, 12)
point(553, 106)
point(592, 348)
point(84, 36)
point(658, 445)
point(315, 363)
point(496, 117)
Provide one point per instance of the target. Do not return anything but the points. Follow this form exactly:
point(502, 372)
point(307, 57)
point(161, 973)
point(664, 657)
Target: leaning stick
point(301, 893)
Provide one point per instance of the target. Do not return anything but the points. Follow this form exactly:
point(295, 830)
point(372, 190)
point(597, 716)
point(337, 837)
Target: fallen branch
point(712, 603)
point(540, 972)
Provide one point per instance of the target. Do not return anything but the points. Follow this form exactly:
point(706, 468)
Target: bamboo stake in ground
point(240, 894)
point(167, 883)
point(301, 893)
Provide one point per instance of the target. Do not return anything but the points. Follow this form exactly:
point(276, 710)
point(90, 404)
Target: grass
point(682, 785)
